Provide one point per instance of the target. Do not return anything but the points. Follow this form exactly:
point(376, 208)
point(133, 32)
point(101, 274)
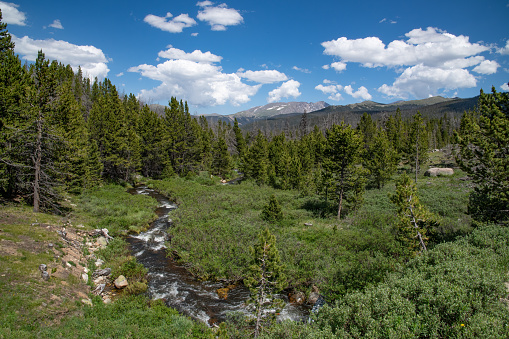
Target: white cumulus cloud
point(505, 86)
point(196, 56)
point(195, 78)
point(332, 89)
point(427, 60)
point(218, 17)
point(11, 15)
point(422, 81)
point(286, 90)
point(362, 92)
point(92, 60)
point(175, 25)
point(264, 77)
point(56, 24)
point(504, 50)
point(487, 67)
point(338, 66)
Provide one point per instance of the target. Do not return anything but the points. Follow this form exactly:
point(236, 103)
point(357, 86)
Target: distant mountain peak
point(278, 108)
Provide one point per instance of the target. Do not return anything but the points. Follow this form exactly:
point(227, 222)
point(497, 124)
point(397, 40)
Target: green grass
point(130, 317)
point(214, 227)
point(113, 208)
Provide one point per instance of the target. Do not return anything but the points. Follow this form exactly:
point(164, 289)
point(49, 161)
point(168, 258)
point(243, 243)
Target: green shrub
point(272, 210)
point(451, 291)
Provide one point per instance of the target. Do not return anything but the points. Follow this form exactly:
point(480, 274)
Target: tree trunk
point(261, 296)
point(37, 165)
point(416, 157)
point(414, 222)
point(341, 191)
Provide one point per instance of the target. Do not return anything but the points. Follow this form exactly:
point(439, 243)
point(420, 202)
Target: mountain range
point(290, 113)
point(275, 115)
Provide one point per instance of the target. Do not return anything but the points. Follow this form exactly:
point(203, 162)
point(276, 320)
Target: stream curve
point(179, 288)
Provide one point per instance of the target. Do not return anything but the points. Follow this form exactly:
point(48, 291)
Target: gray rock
point(434, 171)
point(103, 272)
point(120, 282)
point(84, 276)
point(313, 297)
point(45, 275)
point(99, 289)
point(102, 242)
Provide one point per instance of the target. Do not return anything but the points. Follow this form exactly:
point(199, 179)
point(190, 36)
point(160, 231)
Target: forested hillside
point(333, 208)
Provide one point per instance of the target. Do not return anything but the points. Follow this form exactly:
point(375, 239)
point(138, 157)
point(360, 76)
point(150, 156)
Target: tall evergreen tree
point(221, 163)
point(256, 160)
point(42, 140)
point(396, 132)
point(68, 119)
point(114, 134)
point(14, 109)
point(152, 134)
point(418, 147)
point(367, 128)
point(341, 157)
point(484, 154)
point(381, 161)
point(240, 141)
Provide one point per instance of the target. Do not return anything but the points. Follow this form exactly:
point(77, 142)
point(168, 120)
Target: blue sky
point(224, 57)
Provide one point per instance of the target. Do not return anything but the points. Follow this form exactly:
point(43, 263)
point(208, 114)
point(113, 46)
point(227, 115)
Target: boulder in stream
point(297, 297)
point(222, 293)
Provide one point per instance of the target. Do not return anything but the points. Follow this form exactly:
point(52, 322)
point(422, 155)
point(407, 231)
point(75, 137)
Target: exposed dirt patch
point(8, 218)
point(8, 248)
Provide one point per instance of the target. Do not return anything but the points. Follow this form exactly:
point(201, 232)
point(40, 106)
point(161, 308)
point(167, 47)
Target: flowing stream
point(176, 286)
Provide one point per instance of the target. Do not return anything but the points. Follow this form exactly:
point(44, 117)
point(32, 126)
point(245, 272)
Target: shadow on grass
point(319, 208)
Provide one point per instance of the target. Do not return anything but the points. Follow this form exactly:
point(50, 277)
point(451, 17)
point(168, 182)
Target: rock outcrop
point(435, 171)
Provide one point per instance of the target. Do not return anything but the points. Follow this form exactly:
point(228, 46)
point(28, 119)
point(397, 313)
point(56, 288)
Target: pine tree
point(279, 159)
point(484, 154)
point(183, 137)
point(256, 161)
point(381, 161)
point(68, 119)
point(414, 218)
point(221, 163)
point(367, 128)
point(418, 147)
point(396, 132)
point(42, 141)
point(6, 44)
point(266, 277)
point(342, 155)
point(114, 133)
point(303, 124)
point(152, 134)
point(240, 142)
point(272, 211)
point(14, 107)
